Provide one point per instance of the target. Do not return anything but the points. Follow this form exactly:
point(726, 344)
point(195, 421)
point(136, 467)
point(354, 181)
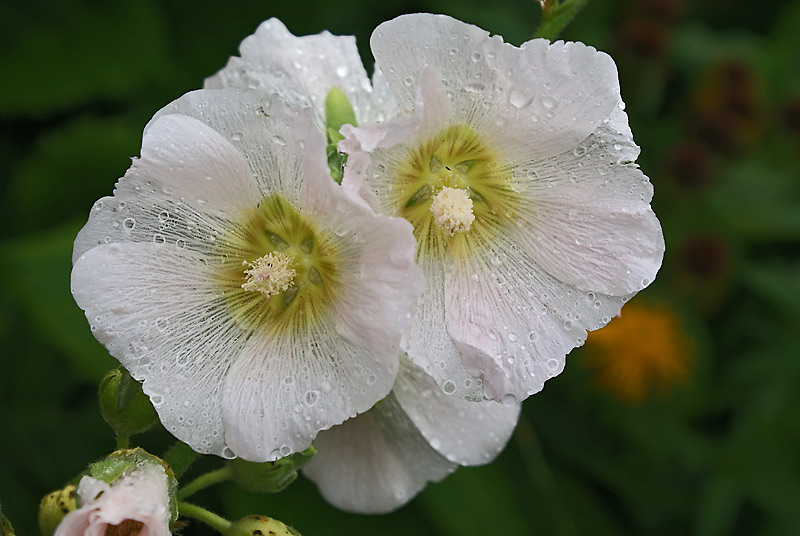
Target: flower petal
point(302, 70)
point(467, 433)
point(587, 219)
point(157, 309)
point(185, 169)
point(513, 323)
point(376, 462)
point(430, 345)
point(534, 102)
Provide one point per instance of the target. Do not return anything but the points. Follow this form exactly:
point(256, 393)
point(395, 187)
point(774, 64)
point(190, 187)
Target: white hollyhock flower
point(516, 168)
point(258, 303)
point(135, 503)
point(382, 459)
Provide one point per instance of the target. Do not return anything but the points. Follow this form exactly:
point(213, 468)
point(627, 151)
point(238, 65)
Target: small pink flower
point(135, 504)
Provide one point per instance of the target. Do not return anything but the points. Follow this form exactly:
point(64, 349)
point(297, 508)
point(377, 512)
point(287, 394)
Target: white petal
point(278, 142)
point(158, 310)
point(302, 70)
point(467, 433)
point(512, 322)
point(376, 462)
point(188, 181)
point(587, 220)
point(532, 102)
point(430, 345)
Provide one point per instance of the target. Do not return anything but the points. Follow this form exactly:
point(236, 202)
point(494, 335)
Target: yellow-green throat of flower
point(450, 186)
point(283, 270)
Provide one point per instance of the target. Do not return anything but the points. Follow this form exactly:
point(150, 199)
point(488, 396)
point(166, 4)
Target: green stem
point(220, 524)
point(203, 481)
point(123, 441)
point(542, 477)
point(556, 16)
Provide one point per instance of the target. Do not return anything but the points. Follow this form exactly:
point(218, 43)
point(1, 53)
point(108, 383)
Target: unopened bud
point(124, 406)
point(53, 508)
point(269, 477)
point(256, 525)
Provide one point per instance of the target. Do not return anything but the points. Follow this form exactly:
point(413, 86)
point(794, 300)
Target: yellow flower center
point(279, 269)
point(451, 186)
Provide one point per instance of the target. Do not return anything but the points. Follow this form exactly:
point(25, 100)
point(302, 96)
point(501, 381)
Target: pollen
point(452, 210)
point(270, 275)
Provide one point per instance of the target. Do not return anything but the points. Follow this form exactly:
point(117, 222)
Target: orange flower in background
point(643, 349)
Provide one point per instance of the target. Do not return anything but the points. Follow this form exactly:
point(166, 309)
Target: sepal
point(269, 477)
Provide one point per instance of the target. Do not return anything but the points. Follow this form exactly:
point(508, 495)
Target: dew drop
point(512, 337)
point(548, 102)
point(509, 400)
point(129, 223)
point(449, 387)
point(159, 239)
point(436, 443)
point(518, 99)
point(237, 136)
point(180, 243)
point(342, 71)
point(476, 56)
point(408, 81)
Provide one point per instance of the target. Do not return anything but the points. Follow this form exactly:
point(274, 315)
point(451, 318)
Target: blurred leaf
point(35, 271)
point(68, 170)
point(778, 282)
point(75, 52)
point(476, 500)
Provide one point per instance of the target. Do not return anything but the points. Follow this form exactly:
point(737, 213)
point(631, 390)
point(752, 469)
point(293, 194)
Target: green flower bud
point(338, 112)
point(124, 406)
point(53, 508)
point(256, 525)
point(269, 477)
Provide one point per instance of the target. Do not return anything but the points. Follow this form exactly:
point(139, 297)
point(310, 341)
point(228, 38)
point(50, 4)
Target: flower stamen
point(452, 210)
point(270, 275)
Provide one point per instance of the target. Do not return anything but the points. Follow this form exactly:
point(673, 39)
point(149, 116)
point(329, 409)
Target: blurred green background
point(679, 418)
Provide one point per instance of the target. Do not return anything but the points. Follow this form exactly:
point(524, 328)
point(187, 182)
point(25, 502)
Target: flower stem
point(220, 524)
point(123, 441)
point(556, 16)
point(203, 481)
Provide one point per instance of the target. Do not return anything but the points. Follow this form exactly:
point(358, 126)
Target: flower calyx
point(269, 477)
